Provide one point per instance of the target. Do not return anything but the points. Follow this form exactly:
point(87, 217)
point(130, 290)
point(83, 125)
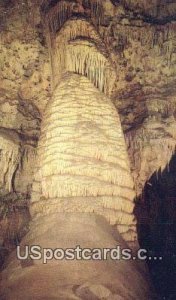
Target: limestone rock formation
point(53, 56)
point(83, 162)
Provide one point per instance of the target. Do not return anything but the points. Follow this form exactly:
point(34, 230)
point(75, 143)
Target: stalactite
point(97, 12)
point(29, 154)
point(9, 160)
point(69, 31)
point(163, 148)
point(83, 58)
point(128, 34)
point(77, 28)
point(58, 15)
point(63, 10)
point(161, 41)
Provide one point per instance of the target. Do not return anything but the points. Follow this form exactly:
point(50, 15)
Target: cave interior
point(127, 50)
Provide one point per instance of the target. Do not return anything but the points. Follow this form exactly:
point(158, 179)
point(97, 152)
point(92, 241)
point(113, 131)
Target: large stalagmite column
point(83, 177)
point(83, 162)
point(82, 183)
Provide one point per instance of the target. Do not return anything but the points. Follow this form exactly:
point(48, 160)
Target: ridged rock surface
point(83, 162)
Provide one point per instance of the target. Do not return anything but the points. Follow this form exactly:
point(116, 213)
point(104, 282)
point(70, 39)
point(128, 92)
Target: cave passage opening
point(156, 215)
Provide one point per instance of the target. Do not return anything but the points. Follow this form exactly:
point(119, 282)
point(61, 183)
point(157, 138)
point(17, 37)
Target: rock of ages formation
point(87, 118)
point(83, 162)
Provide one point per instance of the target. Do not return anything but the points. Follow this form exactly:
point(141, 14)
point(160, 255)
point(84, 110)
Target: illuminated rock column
point(84, 164)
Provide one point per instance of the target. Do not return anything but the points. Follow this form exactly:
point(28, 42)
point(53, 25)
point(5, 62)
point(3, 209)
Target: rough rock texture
point(160, 11)
point(24, 60)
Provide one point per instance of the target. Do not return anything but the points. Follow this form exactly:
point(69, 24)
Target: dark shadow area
point(14, 223)
point(156, 215)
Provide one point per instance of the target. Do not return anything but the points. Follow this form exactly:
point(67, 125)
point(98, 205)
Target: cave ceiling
point(154, 11)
